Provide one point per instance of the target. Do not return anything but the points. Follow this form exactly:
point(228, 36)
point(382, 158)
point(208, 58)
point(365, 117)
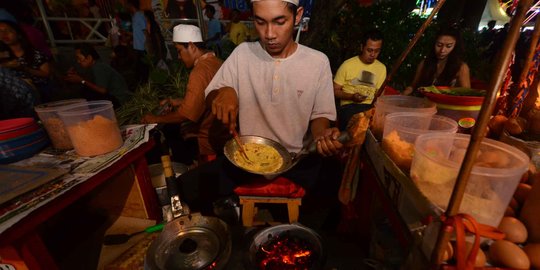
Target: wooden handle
point(240, 144)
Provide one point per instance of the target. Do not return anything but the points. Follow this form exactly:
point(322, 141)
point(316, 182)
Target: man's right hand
point(225, 106)
point(408, 90)
point(358, 98)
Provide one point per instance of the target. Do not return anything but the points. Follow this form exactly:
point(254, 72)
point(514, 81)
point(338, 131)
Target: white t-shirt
point(278, 97)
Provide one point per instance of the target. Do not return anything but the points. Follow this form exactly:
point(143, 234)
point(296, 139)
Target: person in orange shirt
point(192, 108)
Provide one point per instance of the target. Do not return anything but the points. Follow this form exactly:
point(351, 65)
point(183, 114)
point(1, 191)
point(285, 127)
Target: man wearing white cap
point(279, 89)
point(191, 51)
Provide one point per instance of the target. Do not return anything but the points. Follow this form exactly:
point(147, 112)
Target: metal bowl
point(231, 147)
point(296, 230)
point(191, 242)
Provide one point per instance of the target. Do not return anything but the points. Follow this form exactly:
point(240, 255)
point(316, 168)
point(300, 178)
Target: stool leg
point(294, 211)
point(248, 213)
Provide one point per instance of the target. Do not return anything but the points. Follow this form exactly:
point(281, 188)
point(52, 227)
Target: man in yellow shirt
point(359, 77)
point(238, 31)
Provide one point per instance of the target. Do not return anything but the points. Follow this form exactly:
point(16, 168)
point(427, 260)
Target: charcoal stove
point(286, 247)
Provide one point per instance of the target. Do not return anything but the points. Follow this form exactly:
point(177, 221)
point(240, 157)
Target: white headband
point(294, 2)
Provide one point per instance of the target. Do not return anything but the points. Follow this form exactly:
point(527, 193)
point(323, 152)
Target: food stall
point(422, 217)
point(40, 184)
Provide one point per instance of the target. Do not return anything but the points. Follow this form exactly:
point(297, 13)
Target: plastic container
point(494, 178)
point(463, 109)
point(92, 127)
point(24, 146)
point(391, 104)
point(48, 114)
point(402, 129)
point(16, 127)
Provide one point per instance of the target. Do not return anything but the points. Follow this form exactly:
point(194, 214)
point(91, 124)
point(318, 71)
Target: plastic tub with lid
point(494, 177)
point(391, 104)
point(92, 127)
point(401, 130)
point(48, 114)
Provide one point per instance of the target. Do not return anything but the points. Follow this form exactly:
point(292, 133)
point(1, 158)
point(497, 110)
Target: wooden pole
point(407, 50)
point(479, 130)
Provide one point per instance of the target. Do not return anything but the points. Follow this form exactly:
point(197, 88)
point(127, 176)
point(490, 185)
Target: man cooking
point(278, 89)
point(275, 88)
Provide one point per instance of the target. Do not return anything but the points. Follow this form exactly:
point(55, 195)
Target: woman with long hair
point(444, 65)
point(27, 62)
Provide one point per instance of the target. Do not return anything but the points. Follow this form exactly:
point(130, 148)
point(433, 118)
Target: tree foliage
point(345, 27)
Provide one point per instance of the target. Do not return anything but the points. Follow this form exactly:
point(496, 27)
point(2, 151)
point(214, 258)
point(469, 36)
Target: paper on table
point(80, 169)
point(15, 180)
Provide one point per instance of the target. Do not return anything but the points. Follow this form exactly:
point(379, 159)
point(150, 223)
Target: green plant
point(162, 84)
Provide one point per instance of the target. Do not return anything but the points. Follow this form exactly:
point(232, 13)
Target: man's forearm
point(318, 126)
point(344, 96)
point(171, 118)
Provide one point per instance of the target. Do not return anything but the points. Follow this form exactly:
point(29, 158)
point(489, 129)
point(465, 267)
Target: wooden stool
point(249, 210)
point(281, 190)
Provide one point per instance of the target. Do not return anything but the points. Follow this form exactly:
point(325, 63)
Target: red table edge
point(43, 213)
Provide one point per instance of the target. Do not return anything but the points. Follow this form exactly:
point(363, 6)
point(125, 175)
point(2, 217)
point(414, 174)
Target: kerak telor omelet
point(262, 158)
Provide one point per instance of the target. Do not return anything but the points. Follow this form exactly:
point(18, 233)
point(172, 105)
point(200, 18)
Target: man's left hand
point(327, 144)
point(73, 78)
point(149, 119)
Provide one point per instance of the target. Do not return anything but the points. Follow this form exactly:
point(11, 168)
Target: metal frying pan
point(289, 159)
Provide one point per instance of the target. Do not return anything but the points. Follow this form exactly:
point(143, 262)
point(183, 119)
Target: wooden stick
point(480, 127)
point(407, 50)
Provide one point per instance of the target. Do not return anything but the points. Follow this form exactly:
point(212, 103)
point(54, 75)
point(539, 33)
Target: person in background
point(25, 18)
point(125, 30)
point(213, 37)
point(27, 62)
point(155, 43)
point(487, 36)
point(218, 8)
point(238, 31)
point(444, 64)
point(192, 108)
point(102, 82)
point(138, 26)
point(181, 9)
point(17, 97)
point(358, 78)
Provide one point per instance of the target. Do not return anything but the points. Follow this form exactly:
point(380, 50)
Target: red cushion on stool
point(279, 187)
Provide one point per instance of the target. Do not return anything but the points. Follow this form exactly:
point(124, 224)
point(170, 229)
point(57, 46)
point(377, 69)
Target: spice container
point(92, 127)
point(48, 114)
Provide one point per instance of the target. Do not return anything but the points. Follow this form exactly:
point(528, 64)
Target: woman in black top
point(444, 65)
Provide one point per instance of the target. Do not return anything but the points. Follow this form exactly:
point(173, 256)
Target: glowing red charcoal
point(285, 253)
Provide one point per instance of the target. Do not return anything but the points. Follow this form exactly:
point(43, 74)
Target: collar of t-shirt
point(263, 52)
point(204, 56)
